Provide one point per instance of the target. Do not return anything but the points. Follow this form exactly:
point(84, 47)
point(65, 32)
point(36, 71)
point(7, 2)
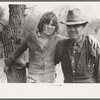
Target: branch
point(31, 7)
point(2, 24)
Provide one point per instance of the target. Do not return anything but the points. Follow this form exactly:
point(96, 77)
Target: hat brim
point(74, 23)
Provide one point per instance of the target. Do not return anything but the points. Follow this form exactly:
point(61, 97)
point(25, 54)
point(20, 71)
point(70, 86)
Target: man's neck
point(79, 39)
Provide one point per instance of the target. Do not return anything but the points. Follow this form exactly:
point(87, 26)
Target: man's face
point(48, 29)
point(75, 31)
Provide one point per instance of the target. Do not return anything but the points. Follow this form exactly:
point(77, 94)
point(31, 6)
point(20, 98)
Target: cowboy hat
point(74, 17)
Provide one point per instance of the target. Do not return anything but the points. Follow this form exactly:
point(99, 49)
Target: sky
point(90, 9)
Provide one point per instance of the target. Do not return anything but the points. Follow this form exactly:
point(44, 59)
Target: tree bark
point(12, 38)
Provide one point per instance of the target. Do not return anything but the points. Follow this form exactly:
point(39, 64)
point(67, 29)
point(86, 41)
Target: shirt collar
point(38, 34)
point(80, 43)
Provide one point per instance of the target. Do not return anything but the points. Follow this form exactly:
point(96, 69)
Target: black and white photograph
point(50, 45)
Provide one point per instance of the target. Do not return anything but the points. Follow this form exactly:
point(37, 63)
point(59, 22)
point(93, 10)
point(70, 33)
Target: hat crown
point(74, 15)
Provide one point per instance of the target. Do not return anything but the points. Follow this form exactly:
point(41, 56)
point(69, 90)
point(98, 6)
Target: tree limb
point(2, 24)
point(30, 7)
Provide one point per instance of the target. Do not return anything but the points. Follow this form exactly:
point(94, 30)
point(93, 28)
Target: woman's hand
point(94, 43)
point(20, 63)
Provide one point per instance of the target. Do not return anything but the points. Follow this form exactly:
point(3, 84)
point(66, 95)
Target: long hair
point(46, 18)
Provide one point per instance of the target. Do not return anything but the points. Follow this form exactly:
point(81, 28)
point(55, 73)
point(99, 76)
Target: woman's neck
point(44, 35)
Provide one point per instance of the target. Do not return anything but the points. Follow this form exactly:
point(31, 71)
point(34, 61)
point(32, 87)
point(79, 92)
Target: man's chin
point(72, 38)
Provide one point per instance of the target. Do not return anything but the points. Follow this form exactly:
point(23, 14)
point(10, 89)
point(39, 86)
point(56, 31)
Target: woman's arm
point(11, 60)
point(95, 43)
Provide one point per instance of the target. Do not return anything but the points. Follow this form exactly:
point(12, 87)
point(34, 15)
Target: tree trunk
point(12, 38)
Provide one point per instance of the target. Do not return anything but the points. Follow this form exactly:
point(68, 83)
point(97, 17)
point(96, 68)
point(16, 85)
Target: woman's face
point(48, 29)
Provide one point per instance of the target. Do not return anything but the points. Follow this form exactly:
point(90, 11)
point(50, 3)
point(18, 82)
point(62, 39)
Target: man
point(79, 60)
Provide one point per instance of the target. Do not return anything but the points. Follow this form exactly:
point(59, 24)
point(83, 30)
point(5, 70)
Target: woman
point(42, 45)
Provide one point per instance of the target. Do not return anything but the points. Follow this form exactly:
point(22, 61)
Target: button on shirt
point(75, 51)
point(42, 43)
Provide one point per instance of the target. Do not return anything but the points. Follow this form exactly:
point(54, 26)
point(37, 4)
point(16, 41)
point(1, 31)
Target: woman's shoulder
point(30, 35)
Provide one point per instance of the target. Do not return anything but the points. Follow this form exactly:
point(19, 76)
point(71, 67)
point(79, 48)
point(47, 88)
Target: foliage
point(30, 24)
point(1, 13)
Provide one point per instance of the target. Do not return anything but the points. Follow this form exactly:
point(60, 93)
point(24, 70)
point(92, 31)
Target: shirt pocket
point(91, 66)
